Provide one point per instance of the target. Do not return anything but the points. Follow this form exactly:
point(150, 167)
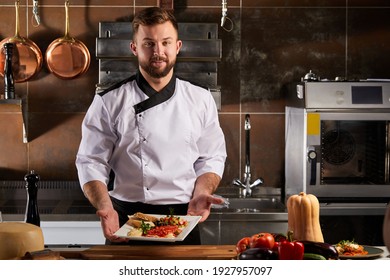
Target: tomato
point(242, 244)
point(262, 240)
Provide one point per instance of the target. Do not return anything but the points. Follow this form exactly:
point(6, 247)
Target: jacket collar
point(155, 97)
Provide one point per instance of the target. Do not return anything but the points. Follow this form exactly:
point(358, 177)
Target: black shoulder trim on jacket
point(195, 84)
point(144, 85)
point(117, 85)
point(155, 98)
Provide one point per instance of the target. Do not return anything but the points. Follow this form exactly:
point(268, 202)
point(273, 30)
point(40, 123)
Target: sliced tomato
point(163, 231)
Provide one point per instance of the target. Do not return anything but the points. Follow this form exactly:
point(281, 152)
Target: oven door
point(348, 155)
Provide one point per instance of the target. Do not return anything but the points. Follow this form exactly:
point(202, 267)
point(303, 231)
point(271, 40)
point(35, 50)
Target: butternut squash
point(304, 217)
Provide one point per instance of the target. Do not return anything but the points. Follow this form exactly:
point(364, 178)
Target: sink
point(244, 217)
point(254, 205)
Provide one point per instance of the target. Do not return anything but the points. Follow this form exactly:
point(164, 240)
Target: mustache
point(158, 58)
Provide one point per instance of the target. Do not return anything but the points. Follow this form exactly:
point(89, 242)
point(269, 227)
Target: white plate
point(192, 222)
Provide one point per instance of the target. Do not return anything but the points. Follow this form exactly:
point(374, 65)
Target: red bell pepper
point(278, 239)
point(291, 250)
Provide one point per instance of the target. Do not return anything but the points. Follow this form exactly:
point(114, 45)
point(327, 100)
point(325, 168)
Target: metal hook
point(225, 17)
point(36, 14)
point(224, 12)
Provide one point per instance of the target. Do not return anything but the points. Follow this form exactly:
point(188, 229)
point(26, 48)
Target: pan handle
point(17, 24)
point(67, 19)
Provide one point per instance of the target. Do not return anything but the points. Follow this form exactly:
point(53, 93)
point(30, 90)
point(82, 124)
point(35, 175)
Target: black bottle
point(9, 86)
point(32, 213)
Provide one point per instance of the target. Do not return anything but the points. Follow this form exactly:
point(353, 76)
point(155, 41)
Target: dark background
point(272, 44)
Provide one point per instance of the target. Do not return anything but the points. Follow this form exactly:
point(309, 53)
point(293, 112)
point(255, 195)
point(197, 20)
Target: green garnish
point(346, 242)
point(145, 227)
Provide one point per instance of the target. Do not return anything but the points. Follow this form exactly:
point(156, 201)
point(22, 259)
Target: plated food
point(169, 226)
point(154, 227)
point(353, 250)
point(350, 248)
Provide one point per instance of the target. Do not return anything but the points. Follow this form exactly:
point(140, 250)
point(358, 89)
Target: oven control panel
point(344, 95)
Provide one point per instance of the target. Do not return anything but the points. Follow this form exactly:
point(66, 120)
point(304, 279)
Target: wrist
point(206, 183)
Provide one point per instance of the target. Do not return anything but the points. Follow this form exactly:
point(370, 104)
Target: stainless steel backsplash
point(54, 197)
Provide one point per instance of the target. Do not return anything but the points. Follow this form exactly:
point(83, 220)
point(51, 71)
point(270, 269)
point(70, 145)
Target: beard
point(157, 72)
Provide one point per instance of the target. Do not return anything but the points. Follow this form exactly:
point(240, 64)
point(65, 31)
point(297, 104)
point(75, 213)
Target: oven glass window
point(354, 152)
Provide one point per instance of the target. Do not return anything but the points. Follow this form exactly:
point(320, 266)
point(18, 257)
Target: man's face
point(156, 48)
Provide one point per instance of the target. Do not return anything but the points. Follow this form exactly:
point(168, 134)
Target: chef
point(158, 137)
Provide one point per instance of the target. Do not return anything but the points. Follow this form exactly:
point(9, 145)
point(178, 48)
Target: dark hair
point(152, 16)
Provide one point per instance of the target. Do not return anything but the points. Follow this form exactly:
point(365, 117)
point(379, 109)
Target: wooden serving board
point(159, 252)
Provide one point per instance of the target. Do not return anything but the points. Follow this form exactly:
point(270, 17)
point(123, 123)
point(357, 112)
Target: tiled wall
point(272, 44)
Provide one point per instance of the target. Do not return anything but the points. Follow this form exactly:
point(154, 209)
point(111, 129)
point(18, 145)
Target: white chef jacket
point(157, 144)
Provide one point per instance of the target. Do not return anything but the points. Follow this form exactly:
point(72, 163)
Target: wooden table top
point(151, 252)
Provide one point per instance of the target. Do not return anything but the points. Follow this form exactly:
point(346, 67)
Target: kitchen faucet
point(246, 186)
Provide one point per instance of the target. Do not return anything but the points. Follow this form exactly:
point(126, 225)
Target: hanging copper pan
point(67, 57)
point(27, 58)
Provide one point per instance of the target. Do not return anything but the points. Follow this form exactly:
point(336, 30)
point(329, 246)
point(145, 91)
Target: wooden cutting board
point(160, 252)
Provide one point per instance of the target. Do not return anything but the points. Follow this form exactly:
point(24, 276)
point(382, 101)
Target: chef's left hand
point(200, 205)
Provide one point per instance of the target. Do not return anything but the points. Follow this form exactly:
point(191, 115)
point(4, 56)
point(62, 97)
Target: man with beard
point(158, 135)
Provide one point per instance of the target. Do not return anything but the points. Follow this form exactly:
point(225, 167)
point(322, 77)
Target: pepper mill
point(9, 86)
point(32, 214)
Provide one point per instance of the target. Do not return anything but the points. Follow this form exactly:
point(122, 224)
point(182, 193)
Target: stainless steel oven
point(338, 140)
point(337, 148)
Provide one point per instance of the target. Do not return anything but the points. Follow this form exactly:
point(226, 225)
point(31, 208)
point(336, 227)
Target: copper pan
point(67, 57)
point(27, 58)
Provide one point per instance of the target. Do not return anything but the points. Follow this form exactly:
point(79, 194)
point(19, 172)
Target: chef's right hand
point(110, 224)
